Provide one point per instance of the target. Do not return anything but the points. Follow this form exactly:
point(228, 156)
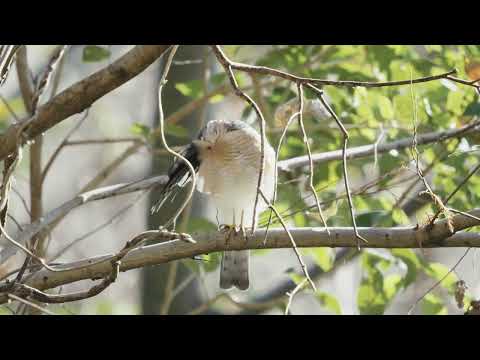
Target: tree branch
point(58, 213)
point(401, 237)
point(254, 69)
point(81, 95)
point(367, 150)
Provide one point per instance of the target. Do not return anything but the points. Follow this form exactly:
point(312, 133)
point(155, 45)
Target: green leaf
point(411, 260)
point(473, 109)
point(455, 101)
point(392, 284)
point(368, 218)
point(385, 106)
point(433, 305)
point(403, 108)
point(216, 98)
point(197, 224)
point(371, 297)
point(104, 307)
point(329, 301)
point(439, 271)
point(218, 79)
point(192, 89)
point(399, 217)
point(211, 261)
point(296, 278)
point(369, 300)
point(94, 53)
point(4, 311)
point(16, 104)
point(323, 257)
point(176, 130)
point(140, 129)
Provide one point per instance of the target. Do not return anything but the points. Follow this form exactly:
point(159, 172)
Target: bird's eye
point(209, 147)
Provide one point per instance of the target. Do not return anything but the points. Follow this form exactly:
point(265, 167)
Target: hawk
point(226, 156)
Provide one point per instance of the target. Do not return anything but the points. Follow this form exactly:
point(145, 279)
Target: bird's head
point(215, 134)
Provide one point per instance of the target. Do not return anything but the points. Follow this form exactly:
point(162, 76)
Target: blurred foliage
point(368, 115)
point(94, 53)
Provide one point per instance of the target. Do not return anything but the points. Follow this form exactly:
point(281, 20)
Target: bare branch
point(169, 250)
point(253, 69)
point(319, 93)
point(368, 150)
point(309, 154)
point(191, 169)
point(62, 144)
point(81, 95)
point(30, 304)
point(93, 195)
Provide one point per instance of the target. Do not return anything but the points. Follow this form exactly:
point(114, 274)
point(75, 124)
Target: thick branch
point(81, 95)
point(401, 237)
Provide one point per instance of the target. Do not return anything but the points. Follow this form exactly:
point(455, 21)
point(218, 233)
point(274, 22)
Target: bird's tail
point(234, 269)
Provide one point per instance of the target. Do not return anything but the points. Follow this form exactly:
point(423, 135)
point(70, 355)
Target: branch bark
point(81, 95)
point(401, 237)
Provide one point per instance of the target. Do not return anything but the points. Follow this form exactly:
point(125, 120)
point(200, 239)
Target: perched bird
point(226, 156)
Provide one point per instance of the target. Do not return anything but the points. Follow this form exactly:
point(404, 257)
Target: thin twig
point(459, 186)
point(163, 81)
point(319, 93)
point(294, 245)
point(319, 82)
point(435, 198)
point(110, 221)
point(180, 287)
point(438, 282)
point(10, 110)
point(275, 181)
point(292, 294)
point(309, 152)
point(102, 141)
point(31, 304)
point(59, 148)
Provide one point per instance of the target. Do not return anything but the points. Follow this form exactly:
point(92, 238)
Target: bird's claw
point(232, 230)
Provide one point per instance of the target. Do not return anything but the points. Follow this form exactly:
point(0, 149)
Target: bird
point(226, 157)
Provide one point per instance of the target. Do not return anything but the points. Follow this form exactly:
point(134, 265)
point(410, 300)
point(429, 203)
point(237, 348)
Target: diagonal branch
point(82, 95)
point(93, 195)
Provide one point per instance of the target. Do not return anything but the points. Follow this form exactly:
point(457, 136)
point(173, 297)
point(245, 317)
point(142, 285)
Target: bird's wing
point(178, 175)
